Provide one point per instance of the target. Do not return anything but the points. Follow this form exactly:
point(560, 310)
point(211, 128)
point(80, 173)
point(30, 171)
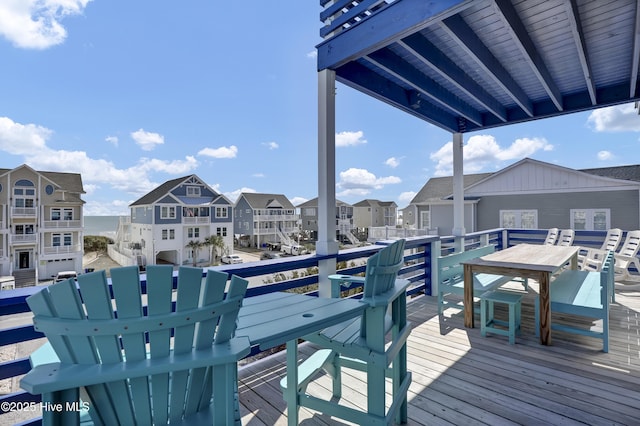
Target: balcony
point(23, 238)
point(24, 212)
point(459, 377)
point(200, 220)
point(62, 224)
point(52, 250)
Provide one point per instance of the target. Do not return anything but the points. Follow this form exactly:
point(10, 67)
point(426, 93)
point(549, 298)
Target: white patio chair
point(627, 256)
point(611, 242)
point(552, 236)
point(566, 237)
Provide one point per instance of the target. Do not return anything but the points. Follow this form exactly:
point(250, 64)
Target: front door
point(23, 260)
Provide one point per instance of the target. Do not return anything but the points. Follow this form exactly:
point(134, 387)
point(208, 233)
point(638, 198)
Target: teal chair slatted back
point(85, 325)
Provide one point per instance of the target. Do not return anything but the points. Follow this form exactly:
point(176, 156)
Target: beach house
point(532, 194)
point(40, 224)
point(262, 219)
point(182, 210)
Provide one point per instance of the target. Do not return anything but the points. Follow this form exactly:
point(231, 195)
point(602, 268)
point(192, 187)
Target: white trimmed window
point(425, 220)
point(193, 232)
point(222, 212)
point(524, 219)
point(167, 212)
point(590, 219)
point(193, 191)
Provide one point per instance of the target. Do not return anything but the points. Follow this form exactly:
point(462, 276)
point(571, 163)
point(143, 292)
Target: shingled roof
point(439, 188)
point(263, 201)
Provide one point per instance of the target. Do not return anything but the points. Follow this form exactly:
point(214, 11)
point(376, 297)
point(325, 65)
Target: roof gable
point(162, 190)
point(264, 201)
point(533, 176)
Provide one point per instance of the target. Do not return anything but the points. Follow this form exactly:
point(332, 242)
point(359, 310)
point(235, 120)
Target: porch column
point(326, 244)
point(458, 189)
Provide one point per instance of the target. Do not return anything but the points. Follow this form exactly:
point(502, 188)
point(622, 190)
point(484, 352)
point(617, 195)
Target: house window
point(193, 232)
point(24, 229)
point(221, 212)
point(172, 234)
point(425, 220)
point(221, 232)
point(24, 197)
point(164, 234)
point(167, 212)
point(193, 191)
point(55, 214)
point(65, 239)
point(68, 214)
point(524, 219)
point(590, 219)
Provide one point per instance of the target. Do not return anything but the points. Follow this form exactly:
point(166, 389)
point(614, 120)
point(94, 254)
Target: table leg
point(468, 296)
point(545, 309)
point(291, 393)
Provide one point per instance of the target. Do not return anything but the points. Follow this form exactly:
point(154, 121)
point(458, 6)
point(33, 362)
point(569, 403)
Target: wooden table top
point(528, 256)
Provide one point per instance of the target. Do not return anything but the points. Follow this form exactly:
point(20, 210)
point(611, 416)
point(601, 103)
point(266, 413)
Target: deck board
point(460, 377)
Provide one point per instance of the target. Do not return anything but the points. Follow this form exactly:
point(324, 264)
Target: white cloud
point(605, 155)
point(147, 141)
point(350, 138)
point(36, 24)
point(271, 145)
point(29, 141)
point(22, 139)
point(296, 201)
point(482, 151)
point(619, 118)
point(407, 196)
point(222, 152)
point(233, 195)
point(313, 54)
point(361, 182)
point(113, 140)
point(392, 162)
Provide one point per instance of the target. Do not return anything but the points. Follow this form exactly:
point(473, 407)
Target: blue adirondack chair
point(363, 344)
point(170, 360)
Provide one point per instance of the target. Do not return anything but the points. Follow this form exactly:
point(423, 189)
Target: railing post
point(327, 244)
point(436, 248)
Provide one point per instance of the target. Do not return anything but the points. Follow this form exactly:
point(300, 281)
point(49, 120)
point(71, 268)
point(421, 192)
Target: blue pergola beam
point(633, 83)
point(529, 51)
point(581, 46)
point(363, 79)
point(399, 68)
point(431, 56)
point(394, 22)
point(459, 31)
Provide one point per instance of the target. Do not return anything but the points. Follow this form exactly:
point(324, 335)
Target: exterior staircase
point(25, 278)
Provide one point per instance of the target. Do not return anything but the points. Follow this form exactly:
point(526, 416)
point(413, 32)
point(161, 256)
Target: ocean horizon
point(103, 226)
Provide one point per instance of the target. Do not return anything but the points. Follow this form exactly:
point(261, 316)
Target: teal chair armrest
point(57, 376)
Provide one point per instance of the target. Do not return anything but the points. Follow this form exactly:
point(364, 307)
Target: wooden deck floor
point(461, 378)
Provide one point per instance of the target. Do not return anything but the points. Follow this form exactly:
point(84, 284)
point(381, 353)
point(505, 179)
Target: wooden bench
point(450, 276)
point(583, 293)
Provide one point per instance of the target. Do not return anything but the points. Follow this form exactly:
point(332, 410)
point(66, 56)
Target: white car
point(231, 258)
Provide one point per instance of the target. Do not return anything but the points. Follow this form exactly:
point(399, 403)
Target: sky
point(131, 94)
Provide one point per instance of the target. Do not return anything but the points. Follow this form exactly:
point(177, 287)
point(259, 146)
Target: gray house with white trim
point(533, 194)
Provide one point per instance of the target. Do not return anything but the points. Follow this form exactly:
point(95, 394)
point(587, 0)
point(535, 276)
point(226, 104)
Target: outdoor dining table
point(273, 319)
point(538, 262)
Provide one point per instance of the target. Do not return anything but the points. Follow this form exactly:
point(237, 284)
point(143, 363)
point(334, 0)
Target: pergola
point(471, 65)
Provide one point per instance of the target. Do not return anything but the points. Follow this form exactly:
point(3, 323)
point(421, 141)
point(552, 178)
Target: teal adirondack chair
point(374, 343)
point(132, 362)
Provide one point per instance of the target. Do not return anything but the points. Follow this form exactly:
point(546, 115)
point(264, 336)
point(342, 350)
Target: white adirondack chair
point(566, 237)
point(593, 258)
point(552, 237)
point(627, 256)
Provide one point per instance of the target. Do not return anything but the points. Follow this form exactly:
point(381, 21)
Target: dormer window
point(193, 191)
